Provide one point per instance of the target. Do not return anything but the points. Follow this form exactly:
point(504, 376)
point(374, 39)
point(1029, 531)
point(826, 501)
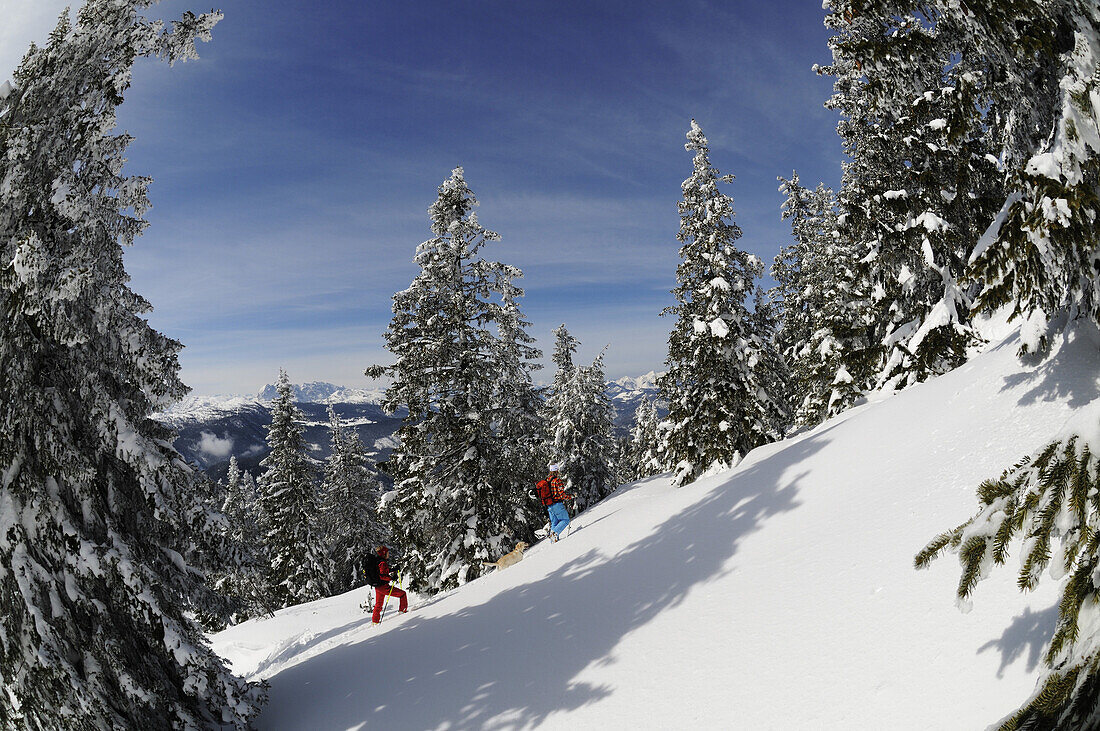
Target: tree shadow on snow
point(514, 661)
point(1028, 633)
point(1060, 376)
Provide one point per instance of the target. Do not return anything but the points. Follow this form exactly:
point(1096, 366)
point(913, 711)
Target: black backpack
point(374, 578)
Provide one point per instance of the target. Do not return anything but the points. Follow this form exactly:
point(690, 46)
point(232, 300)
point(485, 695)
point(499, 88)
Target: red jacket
point(384, 571)
point(552, 490)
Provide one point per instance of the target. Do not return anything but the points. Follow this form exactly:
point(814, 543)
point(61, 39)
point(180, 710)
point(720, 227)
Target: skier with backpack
point(551, 492)
point(378, 576)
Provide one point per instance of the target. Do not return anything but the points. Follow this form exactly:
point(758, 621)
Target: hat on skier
point(383, 551)
point(554, 467)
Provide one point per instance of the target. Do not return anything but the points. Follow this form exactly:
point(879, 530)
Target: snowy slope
point(778, 595)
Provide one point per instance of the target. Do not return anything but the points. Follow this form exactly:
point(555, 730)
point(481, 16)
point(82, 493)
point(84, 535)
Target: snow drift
point(778, 595)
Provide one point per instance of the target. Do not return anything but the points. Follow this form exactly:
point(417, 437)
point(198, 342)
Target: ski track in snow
point(778, 595)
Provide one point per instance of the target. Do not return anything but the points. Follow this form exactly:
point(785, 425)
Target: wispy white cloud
point(215, 446)
point(291, 185)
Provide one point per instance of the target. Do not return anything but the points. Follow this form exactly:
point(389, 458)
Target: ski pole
point(386, 602)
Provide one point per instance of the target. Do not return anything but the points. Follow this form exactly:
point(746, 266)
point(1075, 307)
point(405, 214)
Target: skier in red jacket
point(552, 493)
point(385, 589)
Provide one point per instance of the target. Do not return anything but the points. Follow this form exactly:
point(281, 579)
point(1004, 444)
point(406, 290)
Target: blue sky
point(294, 163)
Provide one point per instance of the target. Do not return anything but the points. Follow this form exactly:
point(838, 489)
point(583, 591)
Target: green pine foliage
point(1050, 503)
point(296, 570)
point(102, 524)
point(462, 369)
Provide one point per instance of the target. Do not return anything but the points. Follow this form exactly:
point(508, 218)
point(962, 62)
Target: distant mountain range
point(627, 394)
point(211, 429)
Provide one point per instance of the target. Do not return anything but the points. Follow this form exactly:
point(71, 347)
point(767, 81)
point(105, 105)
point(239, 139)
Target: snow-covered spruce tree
point(643, 450)
point(796, 269)
point(709, 384)
point(1040, 257)
point(579, 416)
point(519, 426)
point(241, 506)
point(251, 491)
point(1040, 254)
point(296, 569)
point(921, 184)
point(460, 498)
point(232, 478)
point(821, 314)
point(802, 265)
point(210, 546)
point(623, 458)
point(770, 373)
point(350, 524)
point(862, 220)
point(241, 578)
point(565, 346)
point(97, 510)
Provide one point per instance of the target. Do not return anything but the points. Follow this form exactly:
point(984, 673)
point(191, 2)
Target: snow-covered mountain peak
point(321, 392)
point(314, 392)
point(355, 396)
point(199, 407)
point(647, 382)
